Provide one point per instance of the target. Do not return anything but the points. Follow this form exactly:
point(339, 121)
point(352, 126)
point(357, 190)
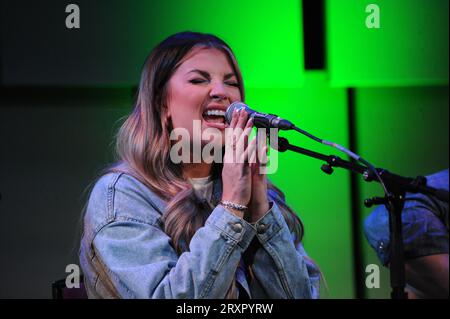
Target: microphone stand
point(397, 187)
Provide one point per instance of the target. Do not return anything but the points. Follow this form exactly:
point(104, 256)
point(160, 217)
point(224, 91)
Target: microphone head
point(231, 108)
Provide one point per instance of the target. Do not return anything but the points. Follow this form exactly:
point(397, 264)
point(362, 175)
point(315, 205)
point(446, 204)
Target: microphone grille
point(231, 108)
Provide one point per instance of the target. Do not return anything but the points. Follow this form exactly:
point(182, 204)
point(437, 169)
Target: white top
point(203, 187)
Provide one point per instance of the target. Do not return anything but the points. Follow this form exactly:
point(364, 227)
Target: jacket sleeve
point(281, 268)
point(139, 261)
point(424, 233)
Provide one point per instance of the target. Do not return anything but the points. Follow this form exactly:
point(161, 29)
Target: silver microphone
point(261, 120)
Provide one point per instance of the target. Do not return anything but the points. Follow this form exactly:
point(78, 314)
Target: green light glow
point(266, 36)
point(410, 48)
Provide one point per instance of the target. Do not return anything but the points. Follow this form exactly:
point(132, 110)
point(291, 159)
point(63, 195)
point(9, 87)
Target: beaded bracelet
point(232, 205)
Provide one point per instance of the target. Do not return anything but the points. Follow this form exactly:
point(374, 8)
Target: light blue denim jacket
point(125, 252)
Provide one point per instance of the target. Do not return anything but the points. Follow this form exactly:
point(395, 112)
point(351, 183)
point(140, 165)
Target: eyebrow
point(208, 76)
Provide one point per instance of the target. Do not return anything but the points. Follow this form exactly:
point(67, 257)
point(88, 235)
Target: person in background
point(425, 236)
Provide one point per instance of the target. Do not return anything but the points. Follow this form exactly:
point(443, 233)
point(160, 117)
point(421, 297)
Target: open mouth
point(214, 116)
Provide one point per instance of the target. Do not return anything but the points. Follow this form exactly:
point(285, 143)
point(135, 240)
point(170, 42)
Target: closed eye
point(232, 84)
point(197, 81)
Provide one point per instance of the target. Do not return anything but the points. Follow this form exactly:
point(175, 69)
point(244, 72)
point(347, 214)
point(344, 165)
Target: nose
point(218, 92)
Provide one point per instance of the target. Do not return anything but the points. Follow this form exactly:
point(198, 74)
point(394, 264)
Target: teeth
point(215, 112)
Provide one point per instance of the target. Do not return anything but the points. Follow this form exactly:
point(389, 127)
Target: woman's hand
point(259, 204)
point(236, 173)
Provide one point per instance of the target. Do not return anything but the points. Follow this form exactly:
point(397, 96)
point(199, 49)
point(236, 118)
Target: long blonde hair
point(143, 143)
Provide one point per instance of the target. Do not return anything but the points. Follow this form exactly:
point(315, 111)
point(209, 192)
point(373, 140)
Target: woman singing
point(158, 228)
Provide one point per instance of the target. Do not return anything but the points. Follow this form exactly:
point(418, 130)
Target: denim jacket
point(125, 252)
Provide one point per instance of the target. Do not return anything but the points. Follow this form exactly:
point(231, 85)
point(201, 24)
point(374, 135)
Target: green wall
point(265, 35)
point(409, 48)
